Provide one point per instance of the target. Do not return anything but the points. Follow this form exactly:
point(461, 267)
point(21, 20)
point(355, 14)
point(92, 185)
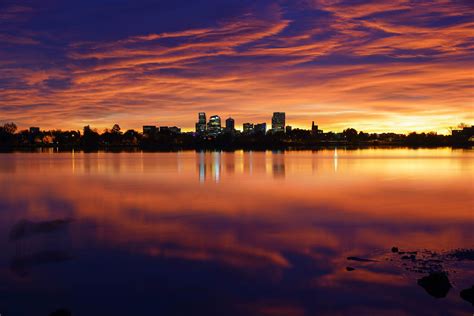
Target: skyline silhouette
point(212, 134)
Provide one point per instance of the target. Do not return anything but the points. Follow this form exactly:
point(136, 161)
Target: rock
point(436, 284)
point(462, 254)
point(360, 259)
point(394, 249)
point(350, 268)
point(468, 295)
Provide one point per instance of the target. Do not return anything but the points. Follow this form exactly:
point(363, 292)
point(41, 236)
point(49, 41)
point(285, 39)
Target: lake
point(236, 233)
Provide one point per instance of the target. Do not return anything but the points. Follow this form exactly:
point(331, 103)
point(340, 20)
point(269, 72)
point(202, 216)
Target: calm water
point(257, 233)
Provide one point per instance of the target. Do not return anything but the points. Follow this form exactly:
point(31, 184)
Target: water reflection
point(213, 165)
point(263, 232)
point(38, 243)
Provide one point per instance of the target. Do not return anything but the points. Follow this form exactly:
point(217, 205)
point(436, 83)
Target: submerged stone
point(468, 295)
point(410, 257)
point(436, 284)
point(360, 259)
point(462, 254)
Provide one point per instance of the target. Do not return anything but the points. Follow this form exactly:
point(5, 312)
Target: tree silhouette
point(116, 129)
point(10, 128)
point(350, 134)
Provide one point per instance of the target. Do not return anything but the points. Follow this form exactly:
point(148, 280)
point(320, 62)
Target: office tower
point(229, 125)
point(175, 130)
point(170, 130)
point(278, 122)
point(260, 128)
point(34, 130)
point(201, 123)
point(288, 129)
point(149, 130)
point(248, 128)
point(314, 129)
point(214, 125)
point(202, 118)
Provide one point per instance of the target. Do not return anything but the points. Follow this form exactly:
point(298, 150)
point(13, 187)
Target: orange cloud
point(366, 66)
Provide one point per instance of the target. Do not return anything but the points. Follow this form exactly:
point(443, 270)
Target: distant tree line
point(91, 139)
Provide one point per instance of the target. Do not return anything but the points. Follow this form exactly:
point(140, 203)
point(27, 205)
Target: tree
point(90, 138)
point(116, 129)
point(350, 134)
point(9, 128)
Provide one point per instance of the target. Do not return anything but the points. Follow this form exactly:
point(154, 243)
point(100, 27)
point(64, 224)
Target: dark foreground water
point(257, 233)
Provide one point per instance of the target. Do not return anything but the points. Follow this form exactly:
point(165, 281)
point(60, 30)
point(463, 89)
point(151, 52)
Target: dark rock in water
point(360, 259)
point(394, 249)
point(350, 268)
point(436, 284)
point(61, 312)
point(462, 254)
point(411, 257)
point(468, 295)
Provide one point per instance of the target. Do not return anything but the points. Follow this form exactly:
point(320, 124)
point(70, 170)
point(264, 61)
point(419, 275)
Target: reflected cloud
point(25, 228)
point(262, 219)
point(163, 211)
point(21, 265)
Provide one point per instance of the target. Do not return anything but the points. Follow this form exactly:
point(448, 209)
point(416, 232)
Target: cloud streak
point(397, 66)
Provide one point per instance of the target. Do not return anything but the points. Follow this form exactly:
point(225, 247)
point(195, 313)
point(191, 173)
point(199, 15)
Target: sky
point(375, 66)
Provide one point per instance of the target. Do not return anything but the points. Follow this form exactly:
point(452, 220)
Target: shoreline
point(158, 149)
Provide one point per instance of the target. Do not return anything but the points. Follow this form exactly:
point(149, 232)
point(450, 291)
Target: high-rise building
point(278, 122)
point(314, 129)
point(260, 128)
point(288, 129)
point(214, 125)
point(202, 118)
point(248, 128)
point(229, 125)
point(201, 123)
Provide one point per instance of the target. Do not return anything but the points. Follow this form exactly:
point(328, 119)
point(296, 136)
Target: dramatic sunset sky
point(373, 65)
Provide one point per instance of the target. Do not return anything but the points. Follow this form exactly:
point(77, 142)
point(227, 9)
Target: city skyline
point(221, 124)
point(214, 134)
point(401, 66)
